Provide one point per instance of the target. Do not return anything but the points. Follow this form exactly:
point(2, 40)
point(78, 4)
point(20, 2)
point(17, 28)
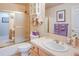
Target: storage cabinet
point(61, 29)
point(35, 51)
point(43, 53)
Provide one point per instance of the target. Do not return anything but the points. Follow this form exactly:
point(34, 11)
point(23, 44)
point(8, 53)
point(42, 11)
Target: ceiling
point(51, 4)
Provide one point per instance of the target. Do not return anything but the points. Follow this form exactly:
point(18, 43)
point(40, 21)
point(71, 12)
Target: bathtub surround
point(18, 10)
point(19, 23)
point(13, 49)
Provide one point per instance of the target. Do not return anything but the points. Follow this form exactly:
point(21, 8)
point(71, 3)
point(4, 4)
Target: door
point(19, 27)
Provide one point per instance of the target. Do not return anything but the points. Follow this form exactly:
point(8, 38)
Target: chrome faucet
point(56, 41)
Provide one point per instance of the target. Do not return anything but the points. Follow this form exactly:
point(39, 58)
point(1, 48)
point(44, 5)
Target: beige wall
point(12, 7)
point(51, 13)
point(41, 27)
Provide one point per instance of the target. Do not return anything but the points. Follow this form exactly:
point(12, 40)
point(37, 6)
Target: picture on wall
point(60, 16)
point(5, 19)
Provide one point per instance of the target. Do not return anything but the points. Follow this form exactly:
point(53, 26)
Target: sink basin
point(55, 46)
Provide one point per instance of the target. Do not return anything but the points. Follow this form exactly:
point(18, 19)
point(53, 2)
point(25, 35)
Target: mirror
point(67, 28)
point(75, 21)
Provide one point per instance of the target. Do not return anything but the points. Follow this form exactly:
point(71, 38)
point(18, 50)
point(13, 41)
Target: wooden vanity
point(36, 51)
point(40, 49)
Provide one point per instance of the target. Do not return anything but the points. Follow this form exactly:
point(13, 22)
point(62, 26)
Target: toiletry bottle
point(74, 42)
point(70, 41)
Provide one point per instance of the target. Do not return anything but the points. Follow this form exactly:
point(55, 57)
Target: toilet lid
point(25, 45)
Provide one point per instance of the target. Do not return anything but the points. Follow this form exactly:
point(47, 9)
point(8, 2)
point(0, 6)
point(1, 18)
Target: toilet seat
point(24, 48)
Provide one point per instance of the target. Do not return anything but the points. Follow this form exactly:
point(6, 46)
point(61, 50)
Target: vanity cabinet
point(36, 51)
point(43, 53)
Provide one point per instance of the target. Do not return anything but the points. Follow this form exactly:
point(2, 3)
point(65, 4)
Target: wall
point(42, 28)
point(12, 7)
point(41, 13)
point(27, 23)
point(51, 13)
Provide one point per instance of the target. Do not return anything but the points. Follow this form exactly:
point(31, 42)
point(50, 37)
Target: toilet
point(24, 49)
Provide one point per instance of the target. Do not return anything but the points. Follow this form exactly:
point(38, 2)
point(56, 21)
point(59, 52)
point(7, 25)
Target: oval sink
point(54, 46)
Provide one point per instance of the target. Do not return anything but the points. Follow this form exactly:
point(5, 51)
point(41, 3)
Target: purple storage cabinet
point(61, 29)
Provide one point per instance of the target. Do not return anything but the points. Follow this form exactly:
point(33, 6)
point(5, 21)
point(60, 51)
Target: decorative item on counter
point(70, 41)
point(74, 40)
point(34, 34)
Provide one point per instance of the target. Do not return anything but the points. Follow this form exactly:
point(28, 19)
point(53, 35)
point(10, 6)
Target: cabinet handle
point(33, 48)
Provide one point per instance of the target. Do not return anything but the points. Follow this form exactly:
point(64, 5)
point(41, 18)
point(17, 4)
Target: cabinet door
point(34, 51)
point(43, 53)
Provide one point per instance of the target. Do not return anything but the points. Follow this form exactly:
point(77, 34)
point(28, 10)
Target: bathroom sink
point(52, 45)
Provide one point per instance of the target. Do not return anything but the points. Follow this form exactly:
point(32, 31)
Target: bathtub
point(4, 40)
point(12, 50)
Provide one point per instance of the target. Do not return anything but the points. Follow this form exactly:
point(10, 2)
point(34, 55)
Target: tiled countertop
point(70, 52)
